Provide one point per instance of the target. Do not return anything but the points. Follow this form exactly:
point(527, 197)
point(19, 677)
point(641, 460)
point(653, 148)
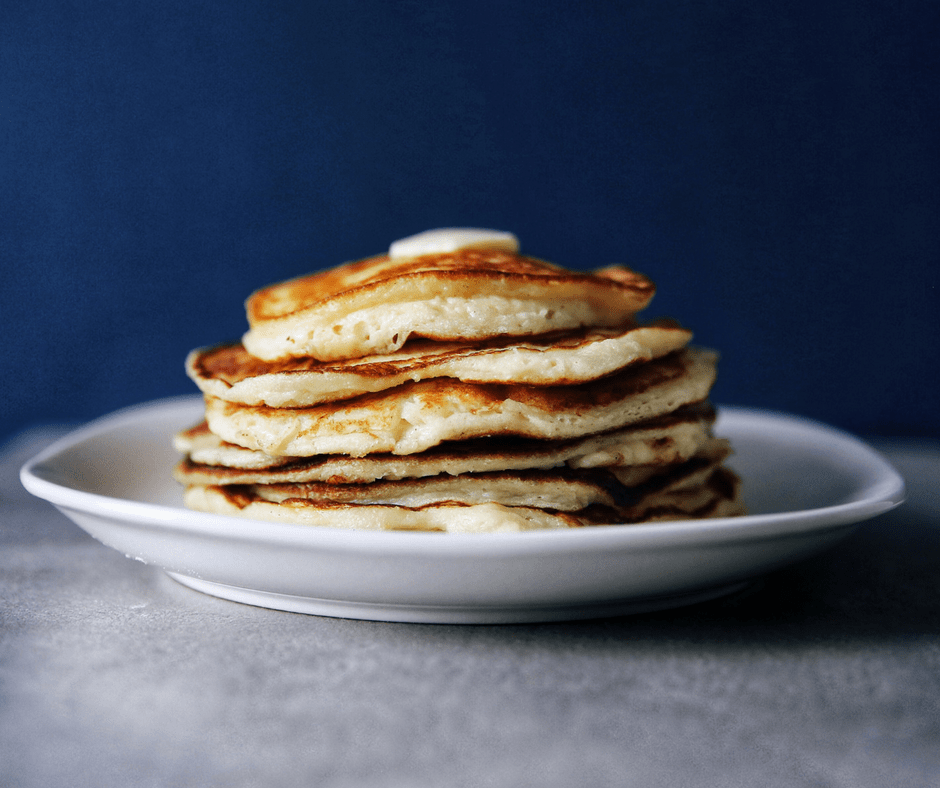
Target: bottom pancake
point(457, 518)
point(483, 503)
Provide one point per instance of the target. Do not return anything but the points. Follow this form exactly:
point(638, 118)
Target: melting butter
point(450, 239)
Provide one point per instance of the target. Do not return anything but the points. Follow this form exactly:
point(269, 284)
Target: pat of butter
point(450, 239)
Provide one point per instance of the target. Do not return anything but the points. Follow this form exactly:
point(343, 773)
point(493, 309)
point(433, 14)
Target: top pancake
point(374, 306)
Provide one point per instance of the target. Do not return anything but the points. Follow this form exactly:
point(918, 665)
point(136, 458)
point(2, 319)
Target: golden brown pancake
point(416, 416)
point(717, 496)
point(641, 450)
point(562, 489)
point(230, 373)
point(374, 306)
point(456, 385)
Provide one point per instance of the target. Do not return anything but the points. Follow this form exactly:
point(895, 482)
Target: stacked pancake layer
point(466, 390)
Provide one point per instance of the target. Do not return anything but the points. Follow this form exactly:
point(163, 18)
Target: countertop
point(826, 673)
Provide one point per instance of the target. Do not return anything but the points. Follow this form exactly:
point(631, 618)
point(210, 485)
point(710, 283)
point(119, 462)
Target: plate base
point(806, 486)
point(453, 614)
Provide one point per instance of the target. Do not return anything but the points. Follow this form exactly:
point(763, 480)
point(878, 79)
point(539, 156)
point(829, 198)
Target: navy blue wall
point(773, 166)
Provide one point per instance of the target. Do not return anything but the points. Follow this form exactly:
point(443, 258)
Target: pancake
point(203, 447)
point(558, 490)
point(373, 306)
point(456, 385)
point(230, 373)
point(416, 416)
point(643, 448)
point(563, 489)
point(679, 475)
point(718, 496)
point(451, 518)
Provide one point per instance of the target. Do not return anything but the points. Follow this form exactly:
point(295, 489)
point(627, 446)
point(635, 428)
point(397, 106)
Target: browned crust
point(467, 272)
point(231, 363)
point(718, 496)
point(574, 400)
point(189, 472)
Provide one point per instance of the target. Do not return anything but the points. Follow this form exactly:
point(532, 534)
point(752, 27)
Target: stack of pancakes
point(456, 385)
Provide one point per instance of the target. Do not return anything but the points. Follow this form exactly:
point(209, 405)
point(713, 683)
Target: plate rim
point(887, 494)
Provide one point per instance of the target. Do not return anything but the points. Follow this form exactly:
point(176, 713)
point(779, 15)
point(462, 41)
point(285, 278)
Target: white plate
point(806, 486)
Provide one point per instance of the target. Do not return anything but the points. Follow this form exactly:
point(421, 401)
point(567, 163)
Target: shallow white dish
point(806, 486)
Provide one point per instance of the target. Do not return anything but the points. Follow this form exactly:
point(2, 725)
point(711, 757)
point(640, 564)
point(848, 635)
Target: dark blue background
point(773, 166)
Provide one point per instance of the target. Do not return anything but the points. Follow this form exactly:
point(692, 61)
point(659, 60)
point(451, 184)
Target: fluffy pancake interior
point(374, 306)
point(417, 416)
